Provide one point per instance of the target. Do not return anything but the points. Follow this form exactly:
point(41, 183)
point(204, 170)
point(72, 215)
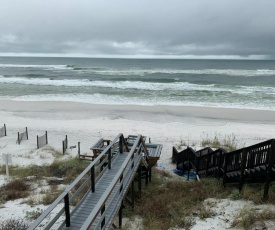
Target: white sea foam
point(123, 100)
point(138, 85)
point(228, 72)
point(46, 67)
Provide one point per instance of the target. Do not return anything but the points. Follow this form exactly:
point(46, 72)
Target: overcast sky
point(138, 28)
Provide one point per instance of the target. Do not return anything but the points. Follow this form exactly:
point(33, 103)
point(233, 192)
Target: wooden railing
point(90, 176)
point(120, 180)
point(237, 165)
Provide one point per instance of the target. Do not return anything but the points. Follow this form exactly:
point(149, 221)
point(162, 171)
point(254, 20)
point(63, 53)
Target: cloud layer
point(139, 28)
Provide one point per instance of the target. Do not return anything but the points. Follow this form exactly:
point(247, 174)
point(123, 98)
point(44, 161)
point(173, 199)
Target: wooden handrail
point(74, 183)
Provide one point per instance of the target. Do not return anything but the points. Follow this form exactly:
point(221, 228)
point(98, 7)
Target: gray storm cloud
point(157, 27)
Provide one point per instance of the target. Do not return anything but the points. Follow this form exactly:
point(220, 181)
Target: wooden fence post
point(78, 149)
point(5, 130)
point(27, 133)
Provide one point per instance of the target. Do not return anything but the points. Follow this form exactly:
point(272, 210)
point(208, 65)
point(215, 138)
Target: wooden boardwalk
point(112, 174)
point(252, 164)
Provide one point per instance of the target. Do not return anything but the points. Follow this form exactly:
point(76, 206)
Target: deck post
point(139, 179)
point(120, 216)
point(67, 210)
point(37, 142)
point(243, 164)
point(63, 147)
point(27, 133)
point(46, 137)
point(18, 140)
point(93, 179)
point(271, 162)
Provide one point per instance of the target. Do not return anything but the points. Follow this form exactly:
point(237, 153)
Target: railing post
point(225, 169)
point(37, 141)
point(93, 179)
point(243, 164)
point(120, 145)
point(18, 140)
point(269, 169)
point(46, 137)
point(67, 210)
point(109, 159)
point(27, 133)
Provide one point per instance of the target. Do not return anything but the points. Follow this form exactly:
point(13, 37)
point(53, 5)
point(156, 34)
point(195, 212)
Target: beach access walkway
point(96, 196)
point(252, 164)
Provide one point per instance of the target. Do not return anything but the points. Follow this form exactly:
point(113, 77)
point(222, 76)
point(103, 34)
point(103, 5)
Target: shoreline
point(165, 113)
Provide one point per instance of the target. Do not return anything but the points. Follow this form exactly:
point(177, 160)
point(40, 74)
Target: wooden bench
point(97, 148)
point(132, 138)
point(154, 151)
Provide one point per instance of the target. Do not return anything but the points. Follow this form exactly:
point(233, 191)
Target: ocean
point(212, 83)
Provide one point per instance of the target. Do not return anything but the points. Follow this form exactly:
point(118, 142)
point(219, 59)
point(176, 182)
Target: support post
point(147, 175)
point(93, 179)
point(18, 138)
point(46, 137)
point(133, 194)
point(120, 216)
point(150, 173)
point(271, 162)
point(37, 141)
point(139, 179)
point(219, 164)
point(243, 164)
point(27, 133)
point(188, 170)
point(67, 210)
point(225, 169)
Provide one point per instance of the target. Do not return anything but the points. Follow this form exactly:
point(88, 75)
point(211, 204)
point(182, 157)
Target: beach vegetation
point(249, 216)
point(34, 214)
point(13, 224)
point(14, 190)
point(227, 142)
point(176, 202)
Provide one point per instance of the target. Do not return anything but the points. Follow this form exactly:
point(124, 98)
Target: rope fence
point(65, 144)
point(22, 136)
point(42, 140)
point(3, 131)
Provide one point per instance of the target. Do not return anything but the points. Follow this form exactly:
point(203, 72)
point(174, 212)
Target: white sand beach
point(86, 123)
